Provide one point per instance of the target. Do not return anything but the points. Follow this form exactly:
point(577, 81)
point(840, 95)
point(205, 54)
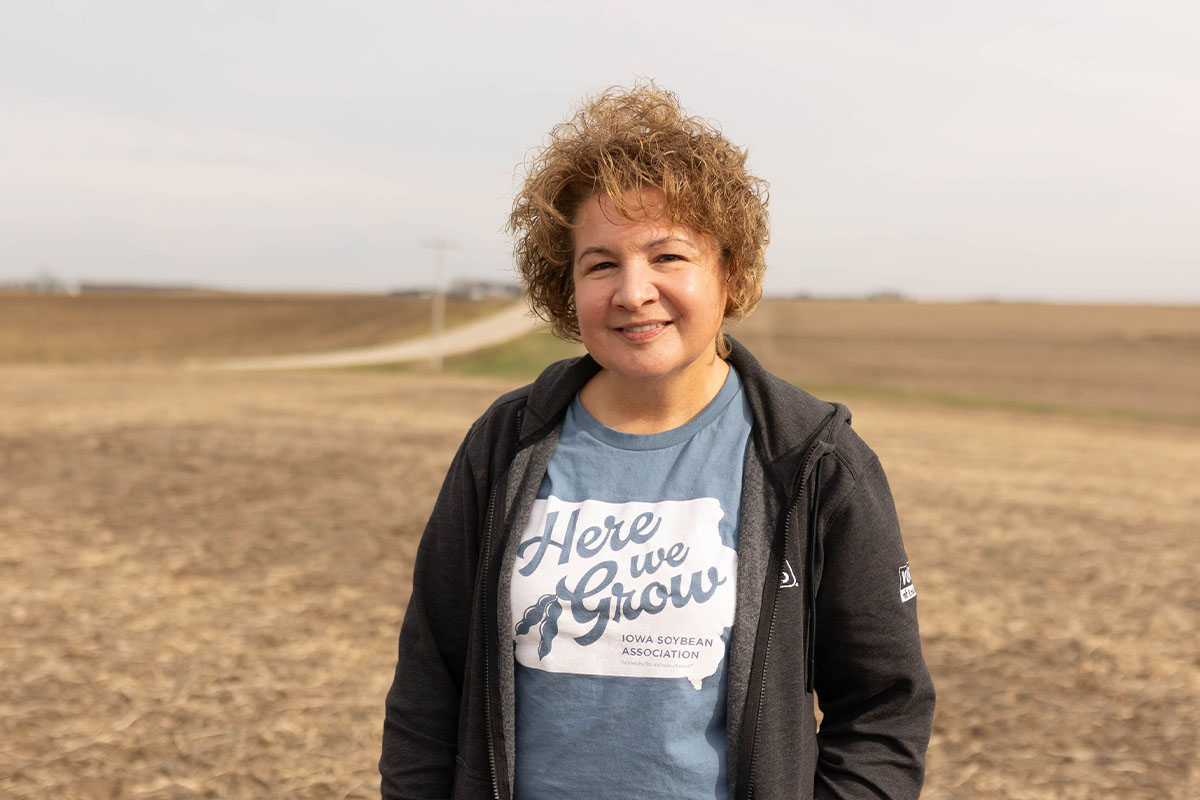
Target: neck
point(632, 405)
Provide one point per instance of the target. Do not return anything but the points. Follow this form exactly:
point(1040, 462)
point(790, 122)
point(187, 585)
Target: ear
point(726, 285)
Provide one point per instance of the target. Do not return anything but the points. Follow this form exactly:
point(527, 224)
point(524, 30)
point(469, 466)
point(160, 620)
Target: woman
point(641, 566)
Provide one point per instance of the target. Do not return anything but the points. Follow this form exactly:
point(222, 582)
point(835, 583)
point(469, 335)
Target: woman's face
point(650, 295)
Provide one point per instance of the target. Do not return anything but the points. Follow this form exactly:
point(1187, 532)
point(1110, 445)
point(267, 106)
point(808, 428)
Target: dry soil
point(202, 576)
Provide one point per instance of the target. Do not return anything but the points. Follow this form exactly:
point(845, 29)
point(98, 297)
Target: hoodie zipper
point(488, 633)
point(766, 651)
point(488, 624)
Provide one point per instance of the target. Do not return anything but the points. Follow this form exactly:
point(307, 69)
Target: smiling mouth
point(643, 328)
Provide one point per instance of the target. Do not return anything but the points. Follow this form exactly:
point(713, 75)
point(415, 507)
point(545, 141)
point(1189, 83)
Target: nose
point(636, 286)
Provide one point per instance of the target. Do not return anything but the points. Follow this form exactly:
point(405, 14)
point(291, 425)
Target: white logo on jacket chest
point(787, 578)
point(624, 589)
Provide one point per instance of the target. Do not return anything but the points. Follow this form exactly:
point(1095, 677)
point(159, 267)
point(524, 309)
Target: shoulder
point(530, 411)
point(790, 422)
point(500, 423)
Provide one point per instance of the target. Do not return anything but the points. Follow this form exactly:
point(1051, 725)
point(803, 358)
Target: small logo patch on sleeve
point(907, 592)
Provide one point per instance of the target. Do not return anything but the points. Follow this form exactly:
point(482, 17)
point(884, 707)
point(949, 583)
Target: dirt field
point(155, 328)
point(1140, 362)
point(202, 576)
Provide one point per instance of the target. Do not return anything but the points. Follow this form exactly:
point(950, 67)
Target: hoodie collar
point(788, 421)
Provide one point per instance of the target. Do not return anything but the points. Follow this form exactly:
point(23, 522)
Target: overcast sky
point(941, 149)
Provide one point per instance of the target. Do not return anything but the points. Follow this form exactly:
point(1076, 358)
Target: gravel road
point(503, 326)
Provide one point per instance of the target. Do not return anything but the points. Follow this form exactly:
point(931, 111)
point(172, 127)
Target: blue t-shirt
point(623, 595)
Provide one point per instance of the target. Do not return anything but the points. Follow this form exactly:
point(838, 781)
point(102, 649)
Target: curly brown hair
point(636, 138)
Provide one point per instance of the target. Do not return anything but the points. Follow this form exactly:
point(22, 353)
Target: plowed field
point(202, 575)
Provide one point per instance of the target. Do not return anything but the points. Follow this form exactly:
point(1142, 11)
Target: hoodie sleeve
point(420, 728)
point(875, 693)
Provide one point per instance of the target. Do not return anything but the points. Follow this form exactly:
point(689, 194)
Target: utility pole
point(440, 246)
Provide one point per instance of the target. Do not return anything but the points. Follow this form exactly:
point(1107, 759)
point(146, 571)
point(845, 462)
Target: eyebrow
point(598, 249)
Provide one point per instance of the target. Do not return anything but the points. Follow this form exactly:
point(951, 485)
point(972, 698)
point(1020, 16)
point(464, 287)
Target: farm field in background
point(1141, 362)
point(202, 574)
point(154, 328)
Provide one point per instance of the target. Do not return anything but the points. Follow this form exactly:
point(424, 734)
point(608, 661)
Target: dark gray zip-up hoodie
point(824, 602)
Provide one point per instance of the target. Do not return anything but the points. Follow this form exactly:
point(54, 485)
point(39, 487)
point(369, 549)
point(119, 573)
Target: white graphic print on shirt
point(624, 589)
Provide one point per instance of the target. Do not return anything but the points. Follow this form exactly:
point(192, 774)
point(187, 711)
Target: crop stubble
point(202, 576)
point(1141, 362)
point(150, 328)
